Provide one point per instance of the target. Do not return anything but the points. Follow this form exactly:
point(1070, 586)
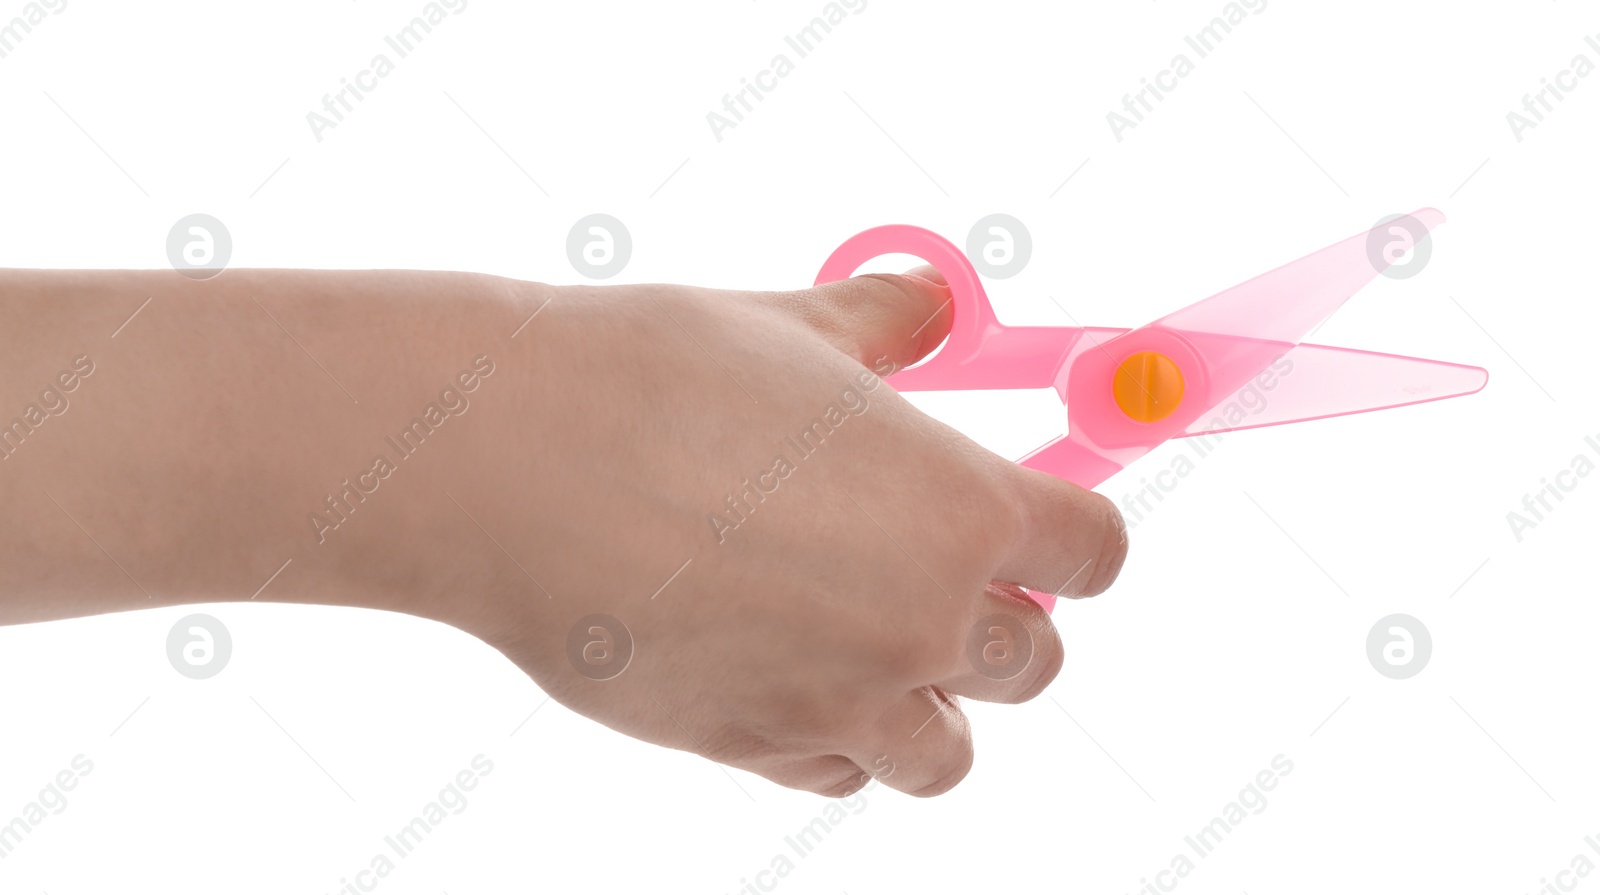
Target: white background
point(1223, 644)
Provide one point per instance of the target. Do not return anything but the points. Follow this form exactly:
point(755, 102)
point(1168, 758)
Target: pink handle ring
point(974, 319)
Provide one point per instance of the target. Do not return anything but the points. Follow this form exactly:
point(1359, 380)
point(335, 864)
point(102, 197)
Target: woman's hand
point(785, 566)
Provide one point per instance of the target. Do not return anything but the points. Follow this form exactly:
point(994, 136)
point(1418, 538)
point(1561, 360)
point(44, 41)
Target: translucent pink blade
point(1221, 344)
point(1318, 381)
point(1285, 304)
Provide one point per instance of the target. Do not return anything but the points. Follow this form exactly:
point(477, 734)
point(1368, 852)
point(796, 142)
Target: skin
point(821, 641)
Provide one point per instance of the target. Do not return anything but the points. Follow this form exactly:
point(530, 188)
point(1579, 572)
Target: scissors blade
point(1311, 382)
point(1285, 304)
point(1220, 345)
point(1319, 381)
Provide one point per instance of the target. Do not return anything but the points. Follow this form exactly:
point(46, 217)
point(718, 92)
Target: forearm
point(298, 424)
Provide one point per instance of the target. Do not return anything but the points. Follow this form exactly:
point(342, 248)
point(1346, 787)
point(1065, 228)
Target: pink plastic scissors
point(1129, 390)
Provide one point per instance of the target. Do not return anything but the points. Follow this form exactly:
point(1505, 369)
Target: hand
point(698, 517)
point(780, 559)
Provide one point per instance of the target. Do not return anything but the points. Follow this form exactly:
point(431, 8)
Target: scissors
point(1129, 390)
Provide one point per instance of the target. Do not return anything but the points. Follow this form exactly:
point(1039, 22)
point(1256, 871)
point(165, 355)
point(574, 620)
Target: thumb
point(883, 319)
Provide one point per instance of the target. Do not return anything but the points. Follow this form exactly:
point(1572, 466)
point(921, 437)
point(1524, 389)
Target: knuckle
point(906, 307)
point(888, 287)
point(840, 303)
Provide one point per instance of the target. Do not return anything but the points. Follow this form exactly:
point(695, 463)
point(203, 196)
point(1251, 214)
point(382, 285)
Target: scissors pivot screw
point(1148, 386)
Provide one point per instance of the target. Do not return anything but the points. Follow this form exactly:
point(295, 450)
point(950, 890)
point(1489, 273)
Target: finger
point(1013, 651)
point(921, 746)
point(830, 776)
point(885, 321)
point(928, 272)
point(1073, 540)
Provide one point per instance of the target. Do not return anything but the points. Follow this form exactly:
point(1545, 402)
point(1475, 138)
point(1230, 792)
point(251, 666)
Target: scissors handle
point(981, 352)
point(974, 320)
